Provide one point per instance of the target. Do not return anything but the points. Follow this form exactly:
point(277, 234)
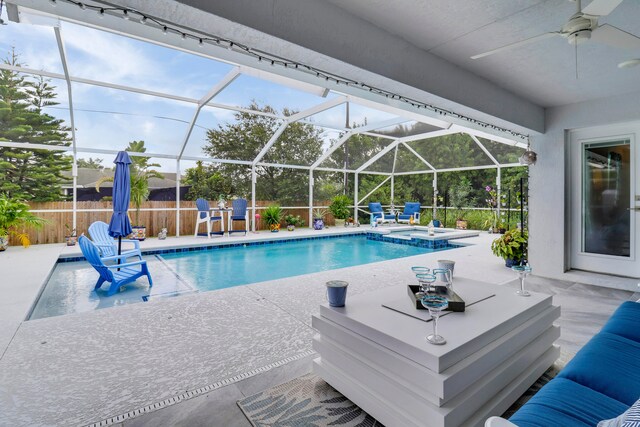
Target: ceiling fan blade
point(614, 36)
point(601, 7)
point(517, 44)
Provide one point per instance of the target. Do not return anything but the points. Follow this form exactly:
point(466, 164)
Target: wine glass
point(435, 304)
point(420, 270)
point(522, 271)
point(424, 280)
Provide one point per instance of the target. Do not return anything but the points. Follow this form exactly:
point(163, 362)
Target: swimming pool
point(224, 268)
point(190, 270)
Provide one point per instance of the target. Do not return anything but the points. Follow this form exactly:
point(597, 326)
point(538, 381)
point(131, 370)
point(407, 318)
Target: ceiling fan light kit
point(579, 37)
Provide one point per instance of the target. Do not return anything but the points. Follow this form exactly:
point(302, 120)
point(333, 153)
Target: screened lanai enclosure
point(205, 117)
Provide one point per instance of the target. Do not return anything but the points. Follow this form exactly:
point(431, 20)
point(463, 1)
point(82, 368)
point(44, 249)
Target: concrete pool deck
point(118, 363)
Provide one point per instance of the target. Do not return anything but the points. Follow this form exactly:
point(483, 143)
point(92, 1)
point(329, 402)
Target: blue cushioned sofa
point(601, 381)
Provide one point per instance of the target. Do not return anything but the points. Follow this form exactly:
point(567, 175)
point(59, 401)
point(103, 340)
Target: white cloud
point(108, 57)
point(148, 127)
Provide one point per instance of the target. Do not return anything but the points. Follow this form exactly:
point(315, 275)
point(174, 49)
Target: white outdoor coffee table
point(380, 359)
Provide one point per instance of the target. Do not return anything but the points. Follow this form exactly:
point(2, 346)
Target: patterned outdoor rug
point(308, 401)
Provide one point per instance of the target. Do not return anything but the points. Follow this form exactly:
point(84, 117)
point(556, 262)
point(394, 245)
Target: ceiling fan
point(581, 27)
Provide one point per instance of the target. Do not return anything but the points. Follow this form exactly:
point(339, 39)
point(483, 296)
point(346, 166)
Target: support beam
point(381, 153)
point(415, 153)
point(393, 170)
point(270, 142)
point(375, 173)
point(355, 196)
point(484, 149)
point(465, 168)
point(311, 184)
point(394, 144)
point(253, 197)
point(498, 191)
point(424, 118)
point(65, 67)
point(423, 172)
point(98, 83)
point(178, 179)
point(295, 117)
point(133, 90)
point(331, 149)
point(349, 133)
point(435, 196)
point(375, 189)
point(219, 87)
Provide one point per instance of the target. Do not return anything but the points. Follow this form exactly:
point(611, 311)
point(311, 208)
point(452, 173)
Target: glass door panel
point(606, 223)
point(604, 216)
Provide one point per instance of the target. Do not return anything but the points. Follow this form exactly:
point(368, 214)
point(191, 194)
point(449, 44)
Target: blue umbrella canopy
point(120, 226)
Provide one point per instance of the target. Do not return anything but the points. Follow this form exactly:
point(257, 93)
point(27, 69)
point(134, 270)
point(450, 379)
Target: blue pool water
point(185, 271)
point(224, 268)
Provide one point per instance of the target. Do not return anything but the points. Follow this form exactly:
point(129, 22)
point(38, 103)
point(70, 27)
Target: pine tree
point(24, 173)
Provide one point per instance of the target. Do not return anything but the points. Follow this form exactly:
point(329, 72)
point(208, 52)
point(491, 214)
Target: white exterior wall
point(549, 189)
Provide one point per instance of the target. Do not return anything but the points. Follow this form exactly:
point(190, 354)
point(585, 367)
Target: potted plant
point(72, 237)
point(318, 218)
point(511, 246)
point(339, 208)
point(272, 215)
point(293, 221)
point(15, 218)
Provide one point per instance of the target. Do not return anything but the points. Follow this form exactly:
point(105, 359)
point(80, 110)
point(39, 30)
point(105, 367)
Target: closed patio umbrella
point(120, 226)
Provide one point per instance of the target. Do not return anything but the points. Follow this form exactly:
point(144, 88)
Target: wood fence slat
point(55, 231)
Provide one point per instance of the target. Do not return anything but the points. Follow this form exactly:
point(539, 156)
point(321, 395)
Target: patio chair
point(116, 274)
point(239, 213)
point(107, 245)
point(204, 216)
point(411, 210)
point(379, 215)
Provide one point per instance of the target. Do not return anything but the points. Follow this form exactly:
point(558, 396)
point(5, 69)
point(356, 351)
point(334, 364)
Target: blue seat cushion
point(238, 217)
point(403, 216)
point(375, 207)
point(608, 364)
point(215, 218)
point(565, 403)
point(625, 321)
point(387, 216)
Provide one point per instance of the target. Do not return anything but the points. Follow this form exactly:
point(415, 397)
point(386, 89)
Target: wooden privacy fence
point(153, 215)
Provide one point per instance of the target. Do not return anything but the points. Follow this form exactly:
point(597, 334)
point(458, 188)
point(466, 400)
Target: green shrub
point(272, 215)
point(294, 220)
point(339, 207)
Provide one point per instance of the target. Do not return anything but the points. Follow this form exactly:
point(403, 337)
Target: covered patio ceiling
point(544, 71)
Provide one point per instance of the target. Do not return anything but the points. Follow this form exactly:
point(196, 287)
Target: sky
point(109, 118)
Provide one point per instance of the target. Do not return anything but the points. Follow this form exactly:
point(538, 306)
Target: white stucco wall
point(548, 190)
